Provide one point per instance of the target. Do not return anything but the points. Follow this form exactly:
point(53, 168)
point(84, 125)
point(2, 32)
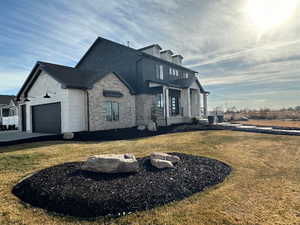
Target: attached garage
point(46, 118)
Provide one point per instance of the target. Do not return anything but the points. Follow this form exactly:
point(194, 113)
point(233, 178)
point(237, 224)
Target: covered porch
point(174, 105)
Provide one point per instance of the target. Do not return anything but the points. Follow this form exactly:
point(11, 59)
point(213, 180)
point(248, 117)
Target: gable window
point(111, 111)
point(159, 100)
point(160, 72)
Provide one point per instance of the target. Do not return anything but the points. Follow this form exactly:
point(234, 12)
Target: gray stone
point(161, 164)
point(152, 126)
point(165, 156)
point(141, 127)
point(111, 163)
point(244, 118)
point(68, 136)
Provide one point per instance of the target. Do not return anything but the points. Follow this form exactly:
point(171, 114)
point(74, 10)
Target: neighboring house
point(113, 86)
point(8, 110)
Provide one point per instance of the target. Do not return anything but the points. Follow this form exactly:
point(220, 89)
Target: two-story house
point(112, 86)
point(8, 111)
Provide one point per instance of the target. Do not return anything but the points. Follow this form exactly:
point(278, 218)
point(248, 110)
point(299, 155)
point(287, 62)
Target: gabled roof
point(137, 51)
point(68, 77)
point(150, 46)
point(6, 99)
point(169, 51)
point(180, 83)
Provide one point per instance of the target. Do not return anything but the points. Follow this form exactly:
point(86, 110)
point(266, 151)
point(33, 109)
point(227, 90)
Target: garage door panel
point(46, 118)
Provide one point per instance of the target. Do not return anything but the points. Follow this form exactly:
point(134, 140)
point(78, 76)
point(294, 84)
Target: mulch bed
point(134, 133)
point(68, 190)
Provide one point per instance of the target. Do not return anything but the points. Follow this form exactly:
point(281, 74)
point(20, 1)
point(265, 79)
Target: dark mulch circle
point(68, 190)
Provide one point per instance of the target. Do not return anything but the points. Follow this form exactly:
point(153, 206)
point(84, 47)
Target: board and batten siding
point(73, 103)
point(127, 112)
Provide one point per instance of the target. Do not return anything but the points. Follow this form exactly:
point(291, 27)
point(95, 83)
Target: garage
point(46, 118)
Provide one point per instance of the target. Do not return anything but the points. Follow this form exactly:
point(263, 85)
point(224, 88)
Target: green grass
point(263, 188)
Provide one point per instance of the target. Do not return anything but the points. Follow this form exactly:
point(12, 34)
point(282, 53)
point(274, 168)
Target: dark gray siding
point(134, 66)
point(107, 56)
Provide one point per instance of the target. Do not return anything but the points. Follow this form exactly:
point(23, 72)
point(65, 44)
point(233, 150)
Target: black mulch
point(134, 133)
point(68, 190)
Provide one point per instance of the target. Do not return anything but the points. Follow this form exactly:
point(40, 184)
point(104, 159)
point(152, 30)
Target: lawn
point(279, 123)
point(264, 187)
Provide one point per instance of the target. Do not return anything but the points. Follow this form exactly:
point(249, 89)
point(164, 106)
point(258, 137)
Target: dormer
point(177, 59)
point(153, 50)
point(166, 55)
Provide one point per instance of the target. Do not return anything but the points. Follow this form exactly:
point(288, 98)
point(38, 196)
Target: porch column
point(189, 113)
point(205, 104)
point(199, 104)
point(166, 99)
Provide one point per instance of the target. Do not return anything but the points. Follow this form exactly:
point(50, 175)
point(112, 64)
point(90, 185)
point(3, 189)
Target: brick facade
point(127, 110)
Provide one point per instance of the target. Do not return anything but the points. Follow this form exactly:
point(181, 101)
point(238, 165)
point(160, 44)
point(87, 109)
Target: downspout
point(88, 108)
point(136, 74)
point(165, 105)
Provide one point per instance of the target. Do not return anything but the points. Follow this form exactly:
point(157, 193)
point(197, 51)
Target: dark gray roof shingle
point(75, 78)
point(5, 99)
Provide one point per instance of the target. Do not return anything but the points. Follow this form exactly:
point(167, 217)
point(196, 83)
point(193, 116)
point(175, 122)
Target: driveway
point(10, 136)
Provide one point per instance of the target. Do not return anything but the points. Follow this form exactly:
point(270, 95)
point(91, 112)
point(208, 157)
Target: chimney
point(153, 50)
point(166, 55)
point(177, 59)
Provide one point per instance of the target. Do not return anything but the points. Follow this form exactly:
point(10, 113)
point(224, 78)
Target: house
point(112, 86)
point(8, 110)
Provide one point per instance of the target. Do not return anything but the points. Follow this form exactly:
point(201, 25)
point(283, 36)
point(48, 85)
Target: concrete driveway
point(8, 136)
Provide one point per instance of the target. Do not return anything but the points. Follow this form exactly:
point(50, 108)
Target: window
point(5, 112)
point(159, 100)
point(111, 111)
point(174, 105)
point(186, 75)
point(176, 73)
point(160, 72)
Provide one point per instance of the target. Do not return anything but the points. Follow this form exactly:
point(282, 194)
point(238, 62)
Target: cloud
point(215, 36)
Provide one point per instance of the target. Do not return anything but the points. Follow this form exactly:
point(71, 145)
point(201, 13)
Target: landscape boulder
point(111, 163)
point(141, 127)
point(152, 126)
point(68, 136)
point(161, 164)
point(164, 156)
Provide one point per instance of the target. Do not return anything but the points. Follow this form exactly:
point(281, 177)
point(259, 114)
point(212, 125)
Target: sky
point(247, 54)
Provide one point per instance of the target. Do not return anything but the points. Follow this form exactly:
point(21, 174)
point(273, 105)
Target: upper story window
point(160, 72)
point(173, 72)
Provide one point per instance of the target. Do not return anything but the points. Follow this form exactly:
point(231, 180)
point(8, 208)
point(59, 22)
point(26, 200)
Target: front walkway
point(259, 129)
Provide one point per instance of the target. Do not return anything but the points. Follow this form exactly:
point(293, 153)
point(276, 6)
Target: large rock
point(68, 136)
point(111, 163)
point(164, 156)
point(141, 127)
point(152, 126)
point(161, 164)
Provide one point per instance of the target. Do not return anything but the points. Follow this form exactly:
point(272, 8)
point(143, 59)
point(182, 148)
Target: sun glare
point(267, 14)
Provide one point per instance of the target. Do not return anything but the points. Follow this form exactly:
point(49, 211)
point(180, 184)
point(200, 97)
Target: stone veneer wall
point(144, 106)
point(127, 110)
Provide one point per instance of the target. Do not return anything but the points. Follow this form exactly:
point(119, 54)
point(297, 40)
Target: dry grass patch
point(264, 187)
